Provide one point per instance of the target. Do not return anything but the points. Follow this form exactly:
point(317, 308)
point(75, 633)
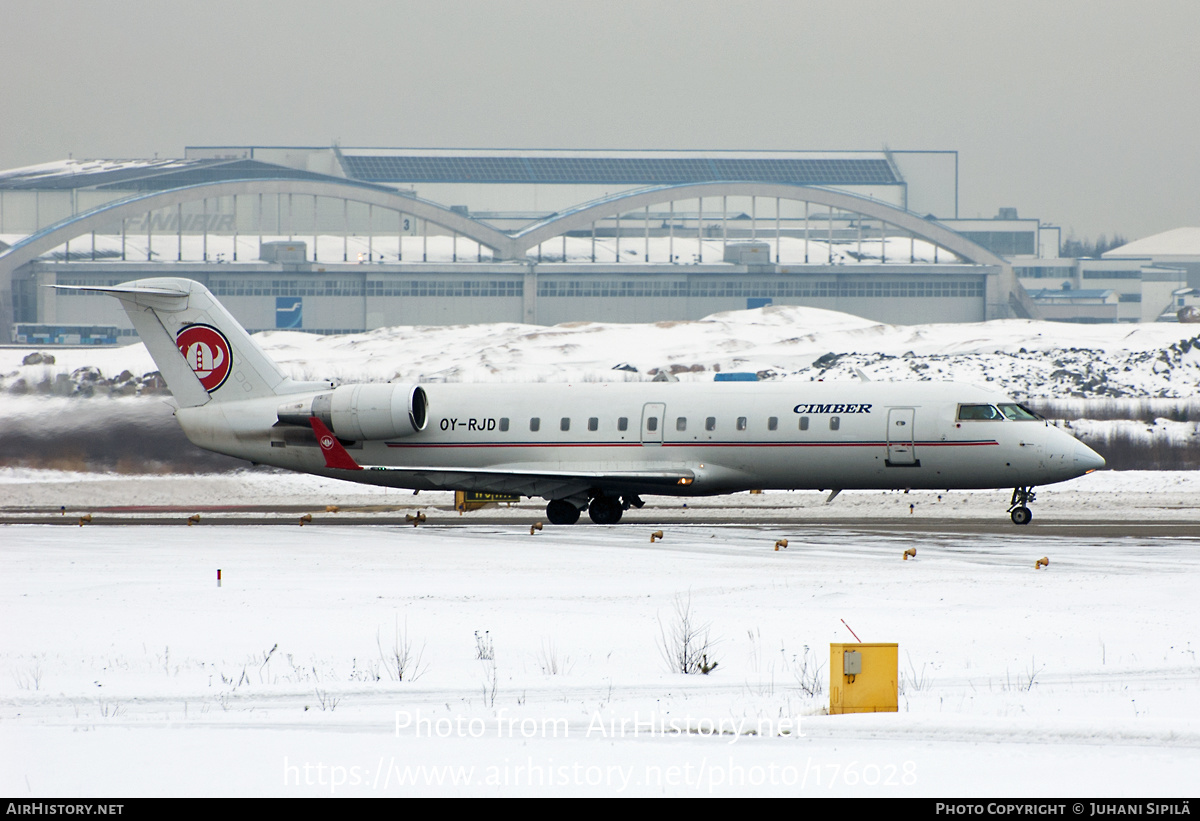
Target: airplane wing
point(547, 483)
point(526, 482)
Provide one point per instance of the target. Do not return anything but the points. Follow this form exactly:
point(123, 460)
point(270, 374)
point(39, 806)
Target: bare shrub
point(486, 654)
point(912, 680)
point(551, 661)
point(807, 671)
point(483, 646)
point(326, 700)
point(399, 659)
point(685, 644)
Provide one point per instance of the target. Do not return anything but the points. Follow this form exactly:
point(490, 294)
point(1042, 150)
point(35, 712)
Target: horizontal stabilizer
point(131, 288)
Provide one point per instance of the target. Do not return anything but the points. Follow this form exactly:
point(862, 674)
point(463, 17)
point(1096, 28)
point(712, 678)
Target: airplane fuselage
point(727, 436)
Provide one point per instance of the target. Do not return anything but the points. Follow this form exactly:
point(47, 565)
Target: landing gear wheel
point(605, 510)
point(562, 512)
point(1018, 508)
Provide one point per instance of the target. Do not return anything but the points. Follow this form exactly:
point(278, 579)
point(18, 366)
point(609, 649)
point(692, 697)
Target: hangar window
point(741, 423)
point(565, 423)
point(803, 423)
point(623, 423)
point(710, 423)
point(773, 423)
point(503, 423)
point(535, 424)
point(974, 413)
point(681, 423)
point(594, 423)
point(835, 423)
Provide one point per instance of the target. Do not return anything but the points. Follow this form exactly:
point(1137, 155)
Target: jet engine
point(373, 411)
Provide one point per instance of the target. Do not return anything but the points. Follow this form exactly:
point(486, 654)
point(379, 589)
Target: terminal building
point(342, 240)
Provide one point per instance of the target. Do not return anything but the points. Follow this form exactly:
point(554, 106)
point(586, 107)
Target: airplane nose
point(1087, 459)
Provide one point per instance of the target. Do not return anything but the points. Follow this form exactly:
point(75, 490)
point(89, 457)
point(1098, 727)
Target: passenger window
point(652, 424)
point(835, 422)
point(565, 424)
point(803, 423)
point(623, 423)
point(773, 423)
point(978, 413)
point(593, 423)
point(503, 423)
point(710, 423)
point(681, 423)
point(741, 423)
point(535, 424)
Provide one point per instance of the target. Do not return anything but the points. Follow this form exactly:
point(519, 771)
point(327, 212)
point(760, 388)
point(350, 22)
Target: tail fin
point(200, 349)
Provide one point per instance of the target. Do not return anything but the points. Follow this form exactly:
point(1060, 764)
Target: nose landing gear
point(1018, 508)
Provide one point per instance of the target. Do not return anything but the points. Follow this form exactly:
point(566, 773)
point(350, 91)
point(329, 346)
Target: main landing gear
point(605, 510)
point(1018, 508)
point(562, 512)
point(602, 509)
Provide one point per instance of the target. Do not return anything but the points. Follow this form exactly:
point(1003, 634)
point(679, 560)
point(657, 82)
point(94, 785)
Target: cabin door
point(652, 423)
point(901, 446)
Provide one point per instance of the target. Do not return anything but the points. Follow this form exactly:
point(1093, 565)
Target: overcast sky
point(1082, 114)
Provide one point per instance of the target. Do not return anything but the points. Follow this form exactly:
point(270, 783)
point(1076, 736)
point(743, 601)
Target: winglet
point(335, 455)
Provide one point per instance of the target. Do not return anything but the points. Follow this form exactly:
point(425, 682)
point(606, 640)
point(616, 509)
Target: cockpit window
point(1019, 413)
point(978, 412)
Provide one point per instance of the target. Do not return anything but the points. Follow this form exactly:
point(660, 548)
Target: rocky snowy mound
point(1029, 359)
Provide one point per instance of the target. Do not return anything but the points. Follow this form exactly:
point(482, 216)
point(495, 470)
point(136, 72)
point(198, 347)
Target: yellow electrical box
point(863, 677)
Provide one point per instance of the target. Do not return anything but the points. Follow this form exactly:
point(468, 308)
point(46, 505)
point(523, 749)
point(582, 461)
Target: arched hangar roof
point(505, 246)
point(607, 207)
point(104, 216)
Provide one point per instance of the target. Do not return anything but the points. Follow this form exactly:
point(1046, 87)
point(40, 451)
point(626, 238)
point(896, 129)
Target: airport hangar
point(340, 240)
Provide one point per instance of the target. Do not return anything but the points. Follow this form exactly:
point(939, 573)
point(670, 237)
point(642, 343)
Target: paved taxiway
point(290, 516)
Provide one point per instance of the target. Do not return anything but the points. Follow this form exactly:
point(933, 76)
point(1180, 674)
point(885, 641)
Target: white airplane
point(594, 446)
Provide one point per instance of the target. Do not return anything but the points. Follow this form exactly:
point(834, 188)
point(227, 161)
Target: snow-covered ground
point(1027, 358)
point(534, 662)
point(127, 670)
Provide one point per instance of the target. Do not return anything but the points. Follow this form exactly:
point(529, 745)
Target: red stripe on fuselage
point(682, 444)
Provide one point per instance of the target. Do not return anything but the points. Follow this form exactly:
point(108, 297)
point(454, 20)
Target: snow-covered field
point(1027, 358)
point(127, 670)
point(533, 663)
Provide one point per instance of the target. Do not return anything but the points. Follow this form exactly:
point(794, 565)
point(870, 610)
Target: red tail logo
point(335, 455)
point(207, 353)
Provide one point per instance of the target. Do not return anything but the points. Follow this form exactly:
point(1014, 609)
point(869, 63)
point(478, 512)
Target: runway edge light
point(863, 678)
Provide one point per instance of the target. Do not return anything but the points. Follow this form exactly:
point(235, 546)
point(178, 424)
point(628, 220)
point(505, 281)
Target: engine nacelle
point(371, 411)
